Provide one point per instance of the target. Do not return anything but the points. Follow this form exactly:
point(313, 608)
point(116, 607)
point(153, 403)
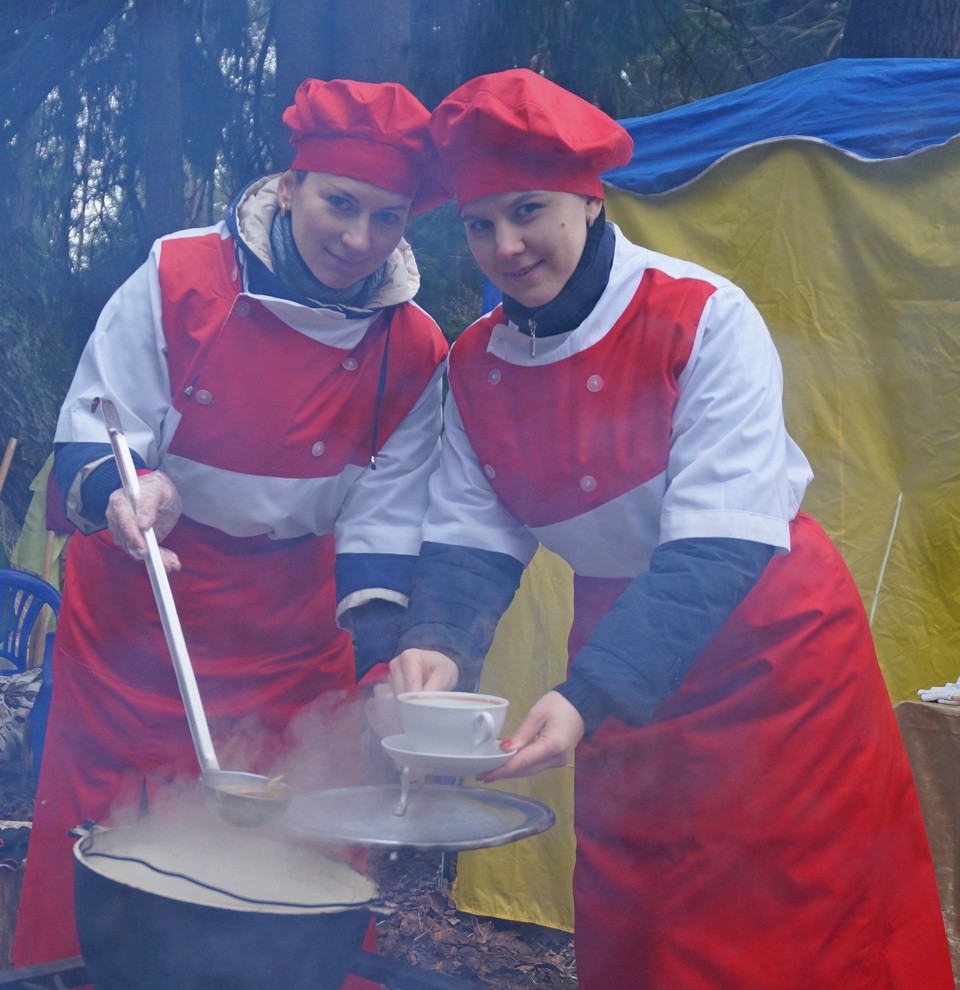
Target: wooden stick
point(38, 641)
point(48, 555)
point(886, 557)
point(7, 458)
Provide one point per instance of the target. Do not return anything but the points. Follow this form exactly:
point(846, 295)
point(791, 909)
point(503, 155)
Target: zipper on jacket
point(381, 388)
point(532, 324)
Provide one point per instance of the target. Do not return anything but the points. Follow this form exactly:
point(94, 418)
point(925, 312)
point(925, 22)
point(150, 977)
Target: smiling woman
point(529, 244)
point(745, 814)
point(344, 228)
point(283, 467)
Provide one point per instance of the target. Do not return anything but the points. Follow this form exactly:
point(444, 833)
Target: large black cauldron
point(215, 909)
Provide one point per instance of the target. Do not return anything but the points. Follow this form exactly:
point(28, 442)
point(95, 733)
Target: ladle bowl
point(246, 800)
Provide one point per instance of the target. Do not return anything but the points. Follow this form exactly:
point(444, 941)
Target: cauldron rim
point(149, 877)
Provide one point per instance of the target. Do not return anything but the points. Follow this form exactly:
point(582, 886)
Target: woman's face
point(343, 228)
point(529, 243)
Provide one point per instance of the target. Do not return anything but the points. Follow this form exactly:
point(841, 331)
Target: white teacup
point(451, 723)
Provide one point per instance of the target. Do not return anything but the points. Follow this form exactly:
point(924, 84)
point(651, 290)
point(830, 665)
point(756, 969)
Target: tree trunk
point(372, 40)
point(902, 29)
point(304, 42)
point(329, 40)
point(160, 116)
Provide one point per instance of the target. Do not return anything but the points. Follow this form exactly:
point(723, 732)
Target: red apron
point(763, 832)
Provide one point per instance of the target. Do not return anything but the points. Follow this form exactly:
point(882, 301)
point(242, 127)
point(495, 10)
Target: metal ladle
point(235, 797)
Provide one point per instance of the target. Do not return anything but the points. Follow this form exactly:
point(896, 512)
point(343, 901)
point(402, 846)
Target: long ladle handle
point(160, 583)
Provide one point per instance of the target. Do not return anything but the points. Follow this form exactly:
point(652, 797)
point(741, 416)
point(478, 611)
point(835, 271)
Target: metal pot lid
point(440, 817)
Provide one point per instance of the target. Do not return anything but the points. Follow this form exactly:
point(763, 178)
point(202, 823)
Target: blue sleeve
point(70, 458)
point(458, 596)
point(375, 624)
point(643, 647)
point(374, 628)
point(357, 571)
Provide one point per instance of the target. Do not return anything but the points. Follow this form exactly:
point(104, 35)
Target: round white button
point(204, 397)
point(494, 376)
point(318, 448)
point(594, 383)
point(351, 363)
point(587, 483)
point(243, 307)
point(489, 471)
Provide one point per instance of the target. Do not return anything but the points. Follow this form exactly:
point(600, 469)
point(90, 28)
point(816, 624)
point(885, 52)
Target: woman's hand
point(158, 505)
point(423, 670)
point(413, 670)
point(546, 738)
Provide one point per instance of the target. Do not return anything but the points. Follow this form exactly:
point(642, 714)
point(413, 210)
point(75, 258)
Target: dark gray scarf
point(289, 267)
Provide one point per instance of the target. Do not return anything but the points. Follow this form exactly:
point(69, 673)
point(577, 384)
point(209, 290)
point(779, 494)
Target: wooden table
point(931, 735)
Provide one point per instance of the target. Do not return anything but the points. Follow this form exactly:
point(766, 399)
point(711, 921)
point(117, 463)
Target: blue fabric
point(873, 108)
point(359, 571)
point(97, 487)
point(373, 627)
point(492, 296)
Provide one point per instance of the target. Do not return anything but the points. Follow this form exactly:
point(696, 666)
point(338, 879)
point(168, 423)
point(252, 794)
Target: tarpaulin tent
point(832, 196)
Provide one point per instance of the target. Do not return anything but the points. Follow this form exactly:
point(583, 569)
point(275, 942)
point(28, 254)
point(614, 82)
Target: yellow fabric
point(856, 269)
point(29, 553)
point(528, 880)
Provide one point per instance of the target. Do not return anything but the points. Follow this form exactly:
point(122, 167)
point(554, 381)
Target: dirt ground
point(427, 930)
point(430, 933)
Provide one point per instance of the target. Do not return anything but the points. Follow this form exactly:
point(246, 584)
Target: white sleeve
point(384, 508)
point(125, 360)
point(733, 470)
point(464, 510)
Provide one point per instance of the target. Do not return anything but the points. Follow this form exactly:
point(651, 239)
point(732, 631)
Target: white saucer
point(403, 754)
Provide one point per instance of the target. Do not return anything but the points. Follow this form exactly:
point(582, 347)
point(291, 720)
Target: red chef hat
point(374, 132)
point(516, 130)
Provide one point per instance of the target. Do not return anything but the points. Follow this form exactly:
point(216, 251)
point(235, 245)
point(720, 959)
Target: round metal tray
point(442, 817)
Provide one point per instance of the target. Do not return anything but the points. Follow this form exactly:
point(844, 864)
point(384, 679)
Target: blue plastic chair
point(23, 596)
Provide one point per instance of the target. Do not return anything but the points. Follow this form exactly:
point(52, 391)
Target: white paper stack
point(948, 694)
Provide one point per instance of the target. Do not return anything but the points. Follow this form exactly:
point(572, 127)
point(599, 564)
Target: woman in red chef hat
point(280, 391)
point(745, 814)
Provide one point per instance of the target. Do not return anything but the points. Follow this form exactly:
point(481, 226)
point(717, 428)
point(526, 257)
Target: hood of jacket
point(249, 219)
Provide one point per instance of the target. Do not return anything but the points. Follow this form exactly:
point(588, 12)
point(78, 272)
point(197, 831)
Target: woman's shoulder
point(193, 256)
point(634, 258)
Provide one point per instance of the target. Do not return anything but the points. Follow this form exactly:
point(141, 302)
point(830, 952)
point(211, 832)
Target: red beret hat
point(374, 132)
point(516, 130)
